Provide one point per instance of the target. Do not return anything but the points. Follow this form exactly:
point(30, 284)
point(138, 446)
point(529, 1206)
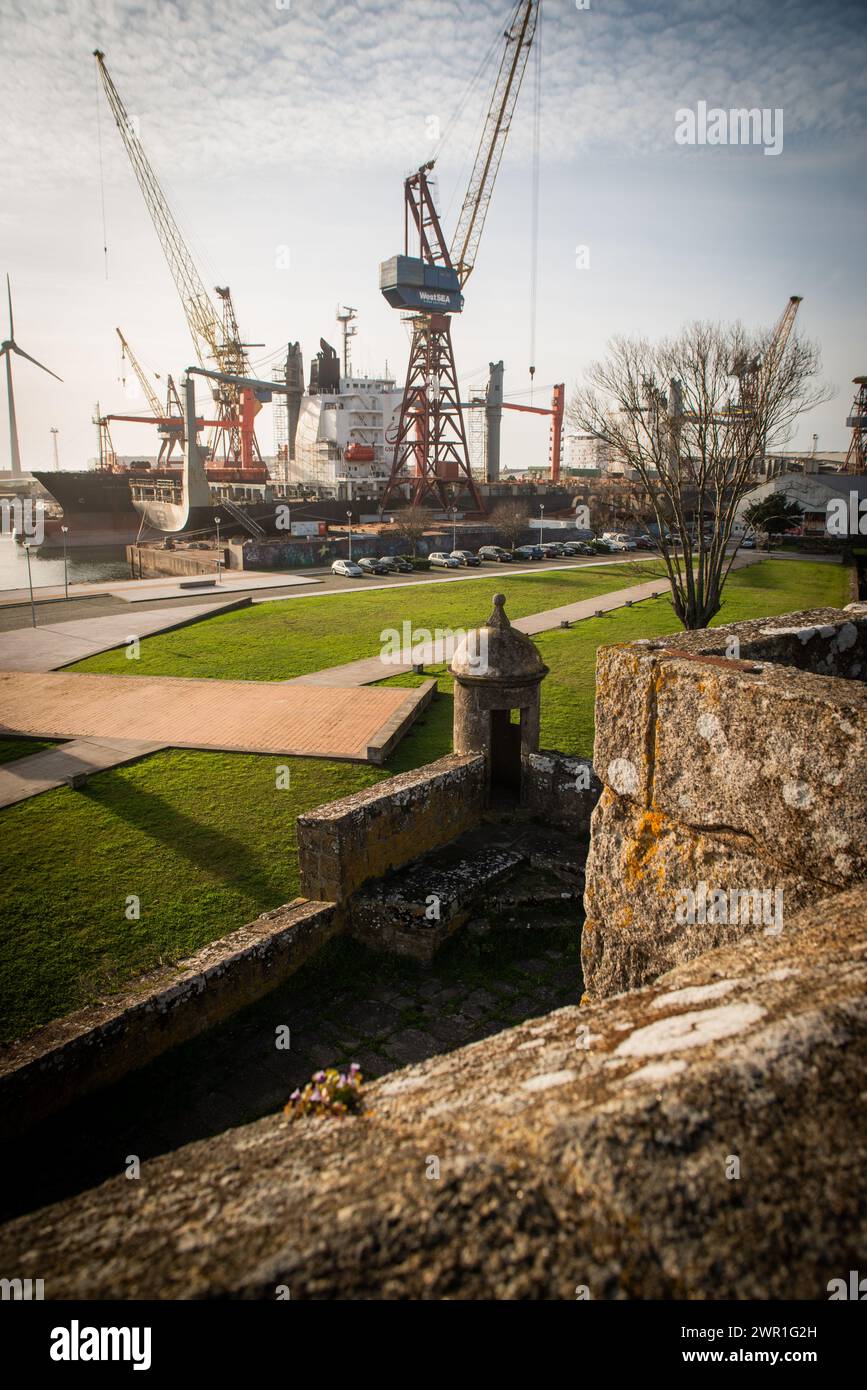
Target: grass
point(280, 639)
point(206, 841)
point(13, 748)
point(775, 586)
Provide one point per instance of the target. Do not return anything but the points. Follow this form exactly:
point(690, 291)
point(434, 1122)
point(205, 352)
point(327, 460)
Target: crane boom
point(430, 446)
point(215, 334)
point(201, 314)
point(780, 336)
point(471, 221)
point(150, 394)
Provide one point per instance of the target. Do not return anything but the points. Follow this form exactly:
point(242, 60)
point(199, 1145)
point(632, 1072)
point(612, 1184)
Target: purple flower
point(319, 1076)
point(296, 1095)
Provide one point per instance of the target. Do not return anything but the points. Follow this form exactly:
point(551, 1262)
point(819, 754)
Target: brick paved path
point(234, 716)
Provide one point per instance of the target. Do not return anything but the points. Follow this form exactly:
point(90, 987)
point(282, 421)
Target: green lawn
point(277, 640)
point(206, 841)
point(13, 748)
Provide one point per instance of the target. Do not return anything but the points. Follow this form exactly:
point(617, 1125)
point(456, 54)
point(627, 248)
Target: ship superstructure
point(345, 434)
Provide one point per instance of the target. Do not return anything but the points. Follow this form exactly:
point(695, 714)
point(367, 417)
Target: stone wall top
point(561, 1143)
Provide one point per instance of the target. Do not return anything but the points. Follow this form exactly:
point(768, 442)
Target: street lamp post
point(454, 512)
point(541, 520)
point(349, 523)
point(217, 521)
point(27, 549)
point(64, 530)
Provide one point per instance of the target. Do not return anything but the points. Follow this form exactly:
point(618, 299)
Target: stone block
point(734, 758)
point(347, 843)
point(561, 788)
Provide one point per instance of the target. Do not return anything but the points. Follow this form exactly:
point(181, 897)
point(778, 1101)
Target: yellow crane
point(214, 332)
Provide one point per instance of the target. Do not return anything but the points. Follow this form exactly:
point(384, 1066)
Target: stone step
point(414, 910)
point(528, 871)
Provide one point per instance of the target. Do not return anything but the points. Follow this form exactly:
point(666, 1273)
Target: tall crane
point(430, 447)
point(755, 375)
point(856, 456)
point(214, 331)
point(144, 382)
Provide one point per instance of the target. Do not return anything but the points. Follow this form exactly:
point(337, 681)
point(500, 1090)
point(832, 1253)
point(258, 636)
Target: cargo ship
point(334, 450)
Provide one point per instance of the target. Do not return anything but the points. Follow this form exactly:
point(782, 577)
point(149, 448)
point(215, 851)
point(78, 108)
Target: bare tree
point(412, 523)
point(692, 417)
point(510, 519)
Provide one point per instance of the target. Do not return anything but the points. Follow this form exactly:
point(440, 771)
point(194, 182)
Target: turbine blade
point(22, 353)
point(9, 298)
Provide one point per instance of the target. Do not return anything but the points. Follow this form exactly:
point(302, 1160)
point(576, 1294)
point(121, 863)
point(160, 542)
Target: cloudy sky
point(282, 130)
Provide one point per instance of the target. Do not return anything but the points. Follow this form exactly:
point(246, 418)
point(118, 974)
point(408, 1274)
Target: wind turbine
point(6, 350)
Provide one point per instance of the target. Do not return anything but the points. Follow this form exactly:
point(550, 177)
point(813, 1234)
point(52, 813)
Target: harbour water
point(84, 568)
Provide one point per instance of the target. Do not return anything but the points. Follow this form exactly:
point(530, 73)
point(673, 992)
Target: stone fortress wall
point(733, 759)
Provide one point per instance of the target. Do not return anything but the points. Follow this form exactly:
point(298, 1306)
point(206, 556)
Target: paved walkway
point(373, 668)
point(56, 767)
point(159, 587)
point(230, 716)
point(51, 645)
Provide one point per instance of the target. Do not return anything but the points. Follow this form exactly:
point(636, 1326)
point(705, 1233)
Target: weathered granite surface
point(590, 1148)
point(735, 756)
point(347, 843)
point(562, 789)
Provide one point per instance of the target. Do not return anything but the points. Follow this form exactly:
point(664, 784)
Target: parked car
point(645, 542)
point(528, 552)
point(347, 569)
point(444, 561)
point(553, 550)
point(748, 543)
point(583, 548)
point(465, 557)
point(371, 564)
point(495, 552)
point(600, 546)
point(397, 564)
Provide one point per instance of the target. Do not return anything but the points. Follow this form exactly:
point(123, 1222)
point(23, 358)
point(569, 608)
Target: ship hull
point(97, 507)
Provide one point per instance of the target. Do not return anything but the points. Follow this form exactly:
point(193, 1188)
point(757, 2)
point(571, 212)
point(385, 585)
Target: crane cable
point(101, 177)
point(534, 196)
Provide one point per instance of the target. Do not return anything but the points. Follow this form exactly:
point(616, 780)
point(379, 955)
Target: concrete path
point(52, 645)
point(374, 668)
point(132, 590)
point(56, 767)
point(228, 716)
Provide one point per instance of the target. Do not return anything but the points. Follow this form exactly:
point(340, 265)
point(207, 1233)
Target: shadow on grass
point(208, 848)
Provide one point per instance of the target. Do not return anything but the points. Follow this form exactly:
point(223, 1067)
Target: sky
point(282, 130)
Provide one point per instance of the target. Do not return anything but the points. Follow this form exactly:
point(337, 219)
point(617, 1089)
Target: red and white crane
point(430, 450)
